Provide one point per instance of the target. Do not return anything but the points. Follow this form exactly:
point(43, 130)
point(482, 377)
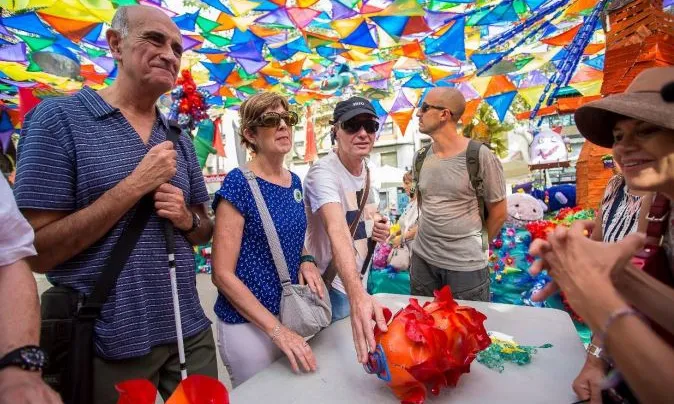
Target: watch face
point(33, 357)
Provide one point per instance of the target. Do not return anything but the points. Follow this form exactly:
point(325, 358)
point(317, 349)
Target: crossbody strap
point(473, 164)
point(122, 250)
point(269, 228)
point(361, 205)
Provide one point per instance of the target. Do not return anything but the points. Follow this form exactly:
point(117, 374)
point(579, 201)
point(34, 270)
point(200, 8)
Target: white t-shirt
point(16, 237)
point(328, 181)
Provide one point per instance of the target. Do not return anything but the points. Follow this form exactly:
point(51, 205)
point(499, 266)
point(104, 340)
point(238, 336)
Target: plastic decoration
point(196, 389)
point(504, 349)
point(607, 160)
point(433, 344)
point(189, 103)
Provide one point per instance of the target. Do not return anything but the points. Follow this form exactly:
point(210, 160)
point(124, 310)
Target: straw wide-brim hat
point(642, 100)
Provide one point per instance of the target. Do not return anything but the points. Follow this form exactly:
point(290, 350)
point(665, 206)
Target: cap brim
point(353, 113)
point(595, 120)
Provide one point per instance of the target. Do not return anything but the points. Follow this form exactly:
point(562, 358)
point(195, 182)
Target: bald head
point(448, 97)
point(128, 18)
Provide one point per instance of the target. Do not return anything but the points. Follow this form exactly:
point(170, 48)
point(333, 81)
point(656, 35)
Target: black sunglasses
point(425, 107)
point(353, 126)
point(273, 119)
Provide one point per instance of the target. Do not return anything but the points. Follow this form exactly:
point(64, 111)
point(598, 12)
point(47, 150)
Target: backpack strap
point(473, 165)
point(418, 163)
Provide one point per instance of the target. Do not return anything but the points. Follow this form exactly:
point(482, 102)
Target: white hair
point(120, 22)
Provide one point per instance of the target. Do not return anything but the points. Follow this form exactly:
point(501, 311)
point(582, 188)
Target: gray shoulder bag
point(302, 310)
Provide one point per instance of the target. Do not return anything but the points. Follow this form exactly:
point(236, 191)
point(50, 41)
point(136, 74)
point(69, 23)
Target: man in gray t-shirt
point(448, 249)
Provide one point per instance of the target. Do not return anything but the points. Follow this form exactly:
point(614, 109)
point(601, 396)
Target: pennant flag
point(597, 62)
point(467, 90)
point(498, 85)
point(328, 52)
point(218, 6)
point(531, 94)
point(266, 5)
point(438, 72)
point(360, 37)
point(482, 59)
point(13, 53)
point(417, 82)
point(593, 48)
point(402, 118)
point(564, 38)
point(73, 29)
point(294, 68)
point(401, 102)
point(393, 25)
point(306, 3)
point(278, 18)
point(469, 111)
point(241, 7)
point(251, 66)
point(501, 103)
point(535, 4)
point(186, 21)
point(341, 11)
point(384, 69)
point(504, 12)
point(588, 88)
point(207, 25)
point(219, 72)
point(310, 150)
point(404, 8)
point(585, 73)
point(189, 42)
point(379, 110)
point(345, 27)
point(28, 22)
point(411, 50)
point(301, 17)
point(378, 84)
point(451, 42)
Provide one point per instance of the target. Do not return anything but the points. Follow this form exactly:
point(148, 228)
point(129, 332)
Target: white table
point(341, 379)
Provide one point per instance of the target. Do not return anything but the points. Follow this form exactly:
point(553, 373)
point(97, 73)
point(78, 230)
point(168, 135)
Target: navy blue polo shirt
point(71, 151)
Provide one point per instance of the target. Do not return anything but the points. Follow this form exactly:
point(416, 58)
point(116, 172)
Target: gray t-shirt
point(16, 237)
point(450, 230)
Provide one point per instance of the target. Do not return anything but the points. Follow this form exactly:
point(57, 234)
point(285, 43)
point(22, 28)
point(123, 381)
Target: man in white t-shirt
point(20, 358)
point(333, 189)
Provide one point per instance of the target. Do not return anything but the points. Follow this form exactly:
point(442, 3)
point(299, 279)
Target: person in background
point(20, 358)
point(450, 248)
point(250, 336)
point(639, 125)
point(84, 163)
point(334, 188)
point(408, 220)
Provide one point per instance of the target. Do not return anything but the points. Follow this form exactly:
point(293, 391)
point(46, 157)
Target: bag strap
point(269, 228)
point(331, 271)
point(657, 220)
point(122, 249)
point(418, 163)
point(473, 165)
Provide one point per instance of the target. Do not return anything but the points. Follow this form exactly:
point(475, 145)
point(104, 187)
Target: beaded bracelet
point(615, 315)
point(275, 332)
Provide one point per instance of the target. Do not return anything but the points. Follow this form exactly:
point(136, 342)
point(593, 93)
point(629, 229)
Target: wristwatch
point(307, 258)
point(595, 351)
point(196, 222)
point(29, 357)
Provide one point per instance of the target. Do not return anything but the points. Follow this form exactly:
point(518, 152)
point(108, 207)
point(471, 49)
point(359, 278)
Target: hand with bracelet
point(294, 347)
point(310, 274)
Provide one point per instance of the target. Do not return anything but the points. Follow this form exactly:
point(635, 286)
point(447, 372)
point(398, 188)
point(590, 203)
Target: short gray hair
point(120, 22)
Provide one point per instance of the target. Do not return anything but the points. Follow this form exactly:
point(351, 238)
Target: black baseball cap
point(354, 106)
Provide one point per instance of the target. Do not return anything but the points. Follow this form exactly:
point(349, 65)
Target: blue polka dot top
point(255, 266)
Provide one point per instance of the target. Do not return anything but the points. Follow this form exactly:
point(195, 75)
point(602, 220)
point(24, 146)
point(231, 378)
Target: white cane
point(170, 249)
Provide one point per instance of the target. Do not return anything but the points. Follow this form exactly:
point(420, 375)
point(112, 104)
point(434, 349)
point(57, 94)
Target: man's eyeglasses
point(273, 119)
point(353, 126)
point(425, 107)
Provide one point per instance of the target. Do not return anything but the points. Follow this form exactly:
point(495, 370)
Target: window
point(389, 159)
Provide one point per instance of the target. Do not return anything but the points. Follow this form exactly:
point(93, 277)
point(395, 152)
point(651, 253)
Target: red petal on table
point(139, 391)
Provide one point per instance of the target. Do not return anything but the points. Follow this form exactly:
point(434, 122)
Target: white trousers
point(245, 350)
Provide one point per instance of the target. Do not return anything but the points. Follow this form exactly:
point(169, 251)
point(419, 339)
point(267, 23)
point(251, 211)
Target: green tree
point(486, 128)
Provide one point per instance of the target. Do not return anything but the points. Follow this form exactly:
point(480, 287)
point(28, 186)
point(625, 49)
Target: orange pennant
point(469, 112)
point(411, 50)
point(91, 75)
point(593, 48)
point(498, 85)
point(294, 68)
point(217, 138)
point(216, 57)
point(402, 118)
point(384, 69)
point(562, 39)
point(226, 22)
point(72, 29)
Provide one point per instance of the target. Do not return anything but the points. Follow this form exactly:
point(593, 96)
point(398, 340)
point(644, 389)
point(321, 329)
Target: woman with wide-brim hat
point(639, 126)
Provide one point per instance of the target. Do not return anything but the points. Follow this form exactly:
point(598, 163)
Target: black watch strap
point(28, 357)
point(196, 222)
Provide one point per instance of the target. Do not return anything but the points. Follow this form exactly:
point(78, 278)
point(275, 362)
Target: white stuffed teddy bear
point(524, 208)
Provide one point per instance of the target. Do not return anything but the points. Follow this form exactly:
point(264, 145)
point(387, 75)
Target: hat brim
point(355, 112)
point(595, 120)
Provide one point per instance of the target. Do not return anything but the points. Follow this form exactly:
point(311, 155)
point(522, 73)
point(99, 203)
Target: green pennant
point(36, 43)
point(230, 102)
point(246, 76)
point(108, 81)
point(217, 40)
point(207, 25)
point(475, 18)
point(202, 149)
point(33, 67)
point(5, 87)
point(121, 3)
point(94, 53)
point(523, 62)
point(438, 5)
point(520, 7)
point(247, 90)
